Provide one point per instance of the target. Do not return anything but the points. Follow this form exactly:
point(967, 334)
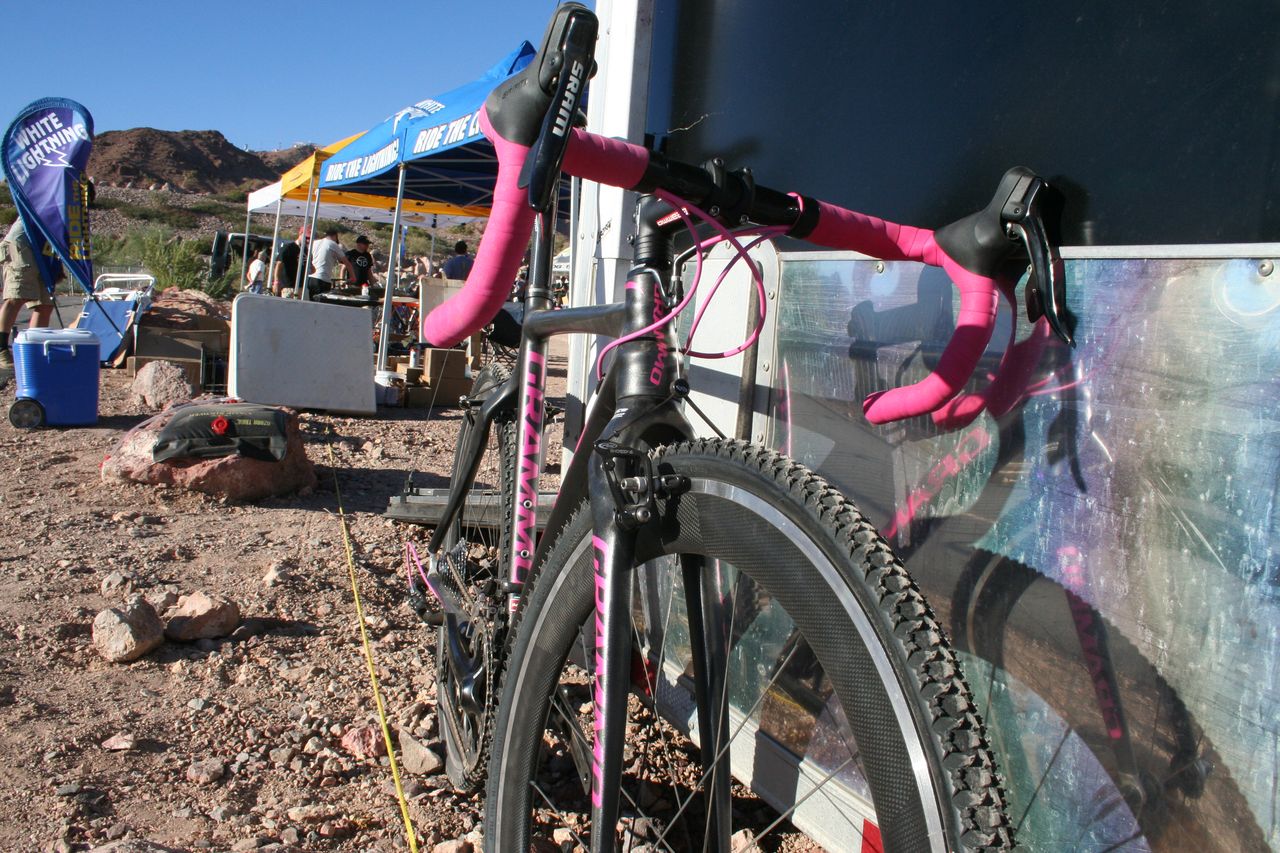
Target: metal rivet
point(1266, 267)
point(765, 367)
point(879, 266)
point(773, 294)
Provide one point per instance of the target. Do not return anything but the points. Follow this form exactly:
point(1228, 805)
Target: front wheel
point(842, 711)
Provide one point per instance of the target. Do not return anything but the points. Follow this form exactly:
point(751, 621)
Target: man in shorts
point(287, 262)
point(23, 285)
point(326, 255)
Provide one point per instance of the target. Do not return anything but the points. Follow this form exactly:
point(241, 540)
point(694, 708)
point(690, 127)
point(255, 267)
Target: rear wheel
point(466, 657)
point(26, 413)
point(841, 709)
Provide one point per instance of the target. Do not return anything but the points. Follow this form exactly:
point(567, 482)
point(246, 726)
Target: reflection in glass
point(1102, 542)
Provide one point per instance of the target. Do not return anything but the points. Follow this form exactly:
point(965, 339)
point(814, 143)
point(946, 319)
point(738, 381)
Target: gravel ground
point(233, 744)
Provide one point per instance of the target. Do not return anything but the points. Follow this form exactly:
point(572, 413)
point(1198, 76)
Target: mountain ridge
point(191, 161)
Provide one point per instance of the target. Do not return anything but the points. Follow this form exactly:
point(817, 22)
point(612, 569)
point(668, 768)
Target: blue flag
point(44, 154)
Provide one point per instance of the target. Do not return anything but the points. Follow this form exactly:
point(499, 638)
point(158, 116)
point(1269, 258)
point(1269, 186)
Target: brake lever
point(1028, 215)
point(1026, 209)
point(566, 61)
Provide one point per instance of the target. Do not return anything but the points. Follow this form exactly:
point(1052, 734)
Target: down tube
point(533, 383)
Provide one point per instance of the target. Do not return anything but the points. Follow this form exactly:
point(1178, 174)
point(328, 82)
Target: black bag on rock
point(208, 431)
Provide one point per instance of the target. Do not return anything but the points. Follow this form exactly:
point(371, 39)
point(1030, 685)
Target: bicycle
point(554, 651)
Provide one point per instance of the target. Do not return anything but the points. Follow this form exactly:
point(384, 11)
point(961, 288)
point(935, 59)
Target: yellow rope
point(368, 656)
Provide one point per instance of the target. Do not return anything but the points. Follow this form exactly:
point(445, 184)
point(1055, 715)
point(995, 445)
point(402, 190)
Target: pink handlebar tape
point(621, 164)
point(595, 158)
point(838, 228)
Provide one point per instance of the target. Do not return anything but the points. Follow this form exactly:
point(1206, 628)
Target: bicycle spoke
point(651, 681)
point(559, 814)
point(797, 804)
point(746, 718)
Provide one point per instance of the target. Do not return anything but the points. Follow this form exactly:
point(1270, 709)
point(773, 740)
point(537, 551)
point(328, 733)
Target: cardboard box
point(156, 342)
point(446, 393)
point(440, 364)
point(412, 375)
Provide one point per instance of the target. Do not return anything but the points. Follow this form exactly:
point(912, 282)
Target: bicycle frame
point(633, 408)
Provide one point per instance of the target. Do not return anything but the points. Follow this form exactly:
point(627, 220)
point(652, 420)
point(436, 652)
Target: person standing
point(22, 286)
point(362, 260)
point(257, 273)
point(459, 265)
point(287, 258)
point(326, 255)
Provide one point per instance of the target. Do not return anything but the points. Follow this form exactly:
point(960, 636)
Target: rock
point(162, 599)
point(281, 756)
point(133, 845)
point(278, 573)
point(120, 743)
point(201, 616)
point(418, 758)
point(340, 828)
point(160, 384)
point(127, 633)
point(175, 308)
point(206, 772)
point(235, 477)
point(245, 844)
point(742, 841)
point(116, 583)
point(311, 813)
point(457, 845)
point(364, 742)
point(291, 836)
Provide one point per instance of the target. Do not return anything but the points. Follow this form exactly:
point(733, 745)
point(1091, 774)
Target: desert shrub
point(175, 262)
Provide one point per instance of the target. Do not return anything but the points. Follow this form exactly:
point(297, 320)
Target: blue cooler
point(57, 376)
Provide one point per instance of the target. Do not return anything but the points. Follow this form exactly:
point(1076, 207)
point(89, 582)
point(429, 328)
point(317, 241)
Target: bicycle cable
point(723, 235)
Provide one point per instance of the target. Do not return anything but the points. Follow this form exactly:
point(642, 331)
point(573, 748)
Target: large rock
point(175, 308)
point(159, 384)
point(122, 634)
point(364, 742)
point(201, 617)
point(417, 758)
point(234, 477)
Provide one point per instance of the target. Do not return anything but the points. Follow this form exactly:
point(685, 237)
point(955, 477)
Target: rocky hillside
point(191, 183)
point(194, 161)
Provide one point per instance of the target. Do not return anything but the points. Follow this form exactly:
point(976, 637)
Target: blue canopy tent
point(430, 151)
point(437, 140)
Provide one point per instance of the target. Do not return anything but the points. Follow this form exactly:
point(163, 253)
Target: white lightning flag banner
point(45, 153)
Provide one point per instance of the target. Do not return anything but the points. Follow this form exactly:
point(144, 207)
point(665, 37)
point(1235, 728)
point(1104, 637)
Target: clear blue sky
point(267, 74)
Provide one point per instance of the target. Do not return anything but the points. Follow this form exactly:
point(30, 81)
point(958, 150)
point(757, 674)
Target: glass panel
point(1101, 539)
